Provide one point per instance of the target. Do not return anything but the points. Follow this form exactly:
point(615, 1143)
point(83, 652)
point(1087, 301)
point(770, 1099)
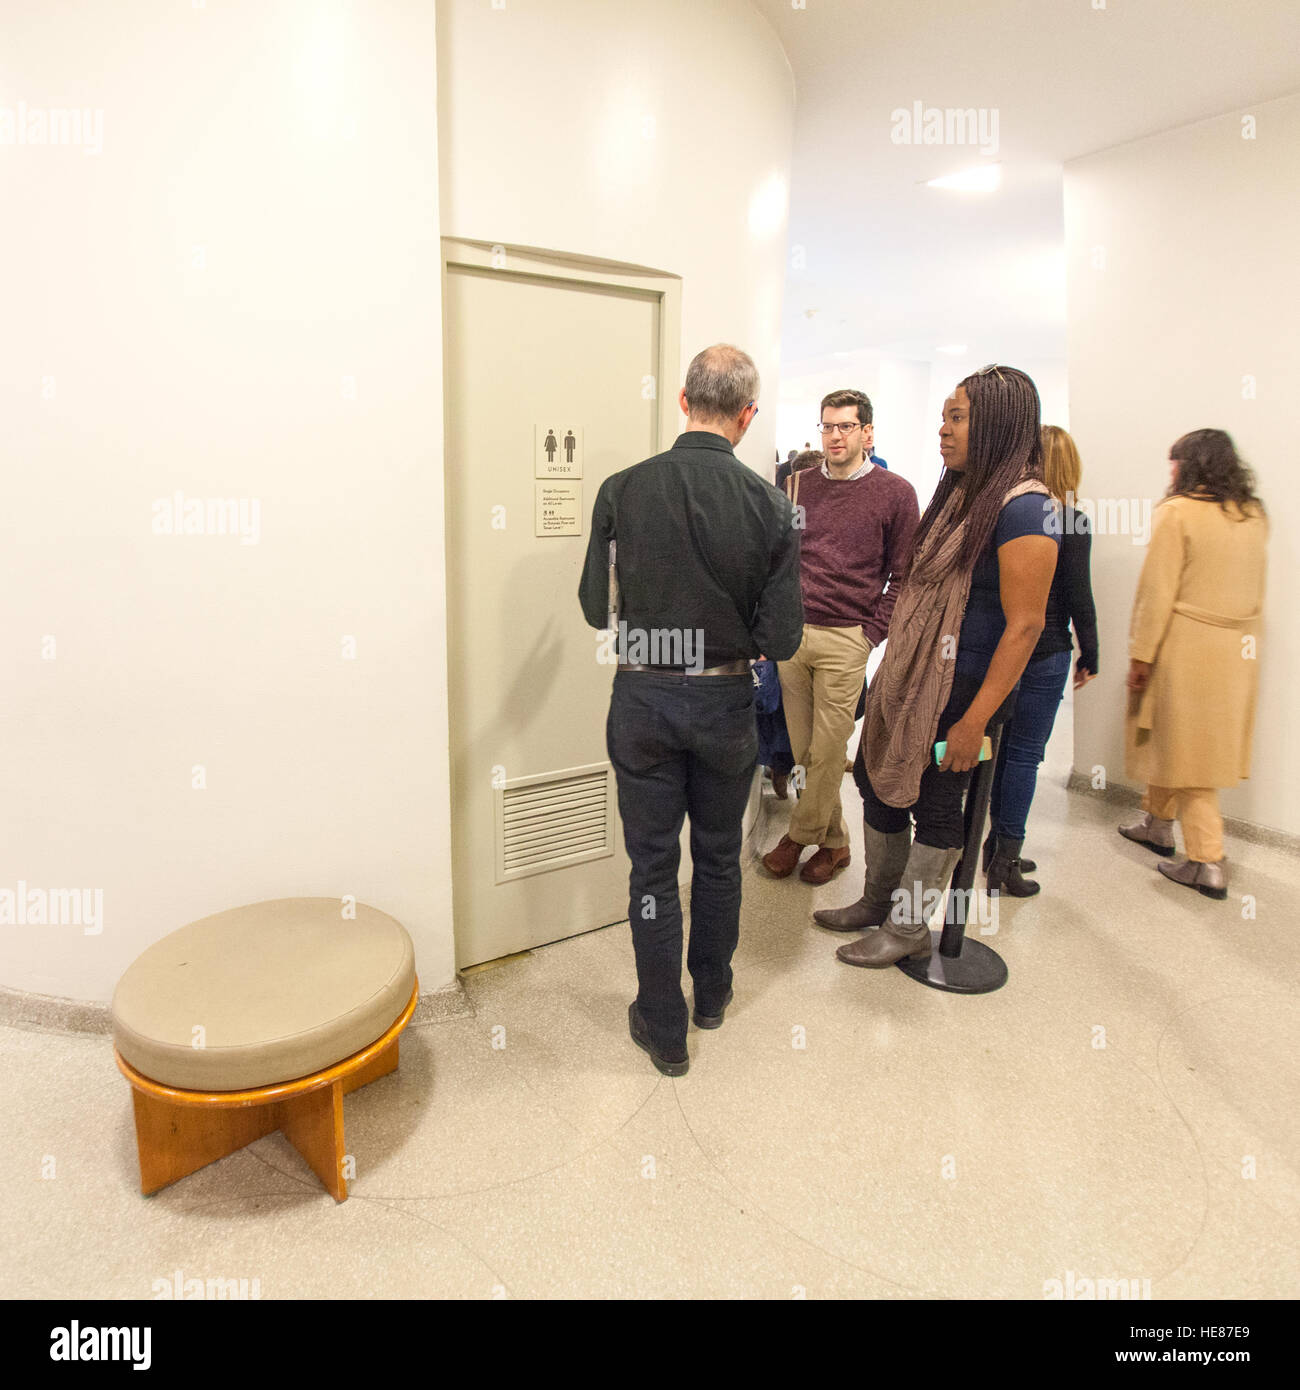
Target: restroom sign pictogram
point(558, 449)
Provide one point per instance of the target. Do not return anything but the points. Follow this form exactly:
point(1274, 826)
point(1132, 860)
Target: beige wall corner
point(1182, 274)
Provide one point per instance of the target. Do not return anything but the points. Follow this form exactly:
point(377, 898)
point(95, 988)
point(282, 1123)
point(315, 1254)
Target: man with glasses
point(857, 522)
point(702, 546)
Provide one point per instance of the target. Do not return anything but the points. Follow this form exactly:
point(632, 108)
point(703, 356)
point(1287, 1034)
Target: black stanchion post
point(957, 964)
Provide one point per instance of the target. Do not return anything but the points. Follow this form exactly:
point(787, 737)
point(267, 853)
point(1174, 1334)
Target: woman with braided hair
point(971, 608)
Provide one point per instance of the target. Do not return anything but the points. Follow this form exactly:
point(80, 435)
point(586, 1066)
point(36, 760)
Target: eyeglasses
point(992, 367)
point(838, 429)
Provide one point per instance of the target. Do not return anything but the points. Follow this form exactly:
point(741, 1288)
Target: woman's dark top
point(984, 622)
point(1070, 600)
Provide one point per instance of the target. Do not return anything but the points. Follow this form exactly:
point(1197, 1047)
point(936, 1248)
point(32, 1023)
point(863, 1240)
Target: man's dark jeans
point(682, 746)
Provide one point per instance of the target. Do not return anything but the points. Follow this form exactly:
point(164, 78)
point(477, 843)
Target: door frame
point(540, 264)
point(537, 263)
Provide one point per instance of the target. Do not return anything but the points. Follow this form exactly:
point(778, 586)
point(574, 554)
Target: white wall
point(238, 296)
point(656, 134)
point(1183, 282)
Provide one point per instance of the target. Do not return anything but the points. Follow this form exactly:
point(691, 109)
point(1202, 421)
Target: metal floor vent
point(554, 820)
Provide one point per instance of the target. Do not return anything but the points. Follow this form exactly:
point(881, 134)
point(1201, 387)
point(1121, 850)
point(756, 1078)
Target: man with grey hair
point(691, 553)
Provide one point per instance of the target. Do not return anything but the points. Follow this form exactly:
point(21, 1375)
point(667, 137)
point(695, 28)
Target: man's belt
point(732, 668)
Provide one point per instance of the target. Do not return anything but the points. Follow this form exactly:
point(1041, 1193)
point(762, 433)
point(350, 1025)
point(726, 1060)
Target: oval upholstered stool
point(258, 1019)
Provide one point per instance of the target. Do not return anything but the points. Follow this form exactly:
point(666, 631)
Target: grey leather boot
point(1210, 879)
point(886, 859)
point(905, 932)
point(1152, 832)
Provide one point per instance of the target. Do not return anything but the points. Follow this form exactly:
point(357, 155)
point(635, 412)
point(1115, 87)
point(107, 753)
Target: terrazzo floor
point(1124, 1108)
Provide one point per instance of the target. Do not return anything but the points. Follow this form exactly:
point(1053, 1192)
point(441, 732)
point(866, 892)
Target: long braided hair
point(1004, 447)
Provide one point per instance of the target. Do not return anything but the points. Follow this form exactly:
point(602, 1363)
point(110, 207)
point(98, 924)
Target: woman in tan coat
point(1194, 659)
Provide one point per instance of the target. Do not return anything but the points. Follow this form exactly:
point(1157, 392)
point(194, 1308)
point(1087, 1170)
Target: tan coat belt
point(1203, 615)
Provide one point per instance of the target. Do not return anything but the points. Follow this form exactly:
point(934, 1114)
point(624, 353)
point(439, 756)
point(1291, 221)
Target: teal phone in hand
point(986, 749)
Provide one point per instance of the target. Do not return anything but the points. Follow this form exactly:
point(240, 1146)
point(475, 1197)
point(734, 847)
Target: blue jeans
point(682, 746)
point(1024, 741)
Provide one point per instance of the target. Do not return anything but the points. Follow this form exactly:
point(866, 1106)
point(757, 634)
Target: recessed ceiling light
point(956, 349)
point(984, 178)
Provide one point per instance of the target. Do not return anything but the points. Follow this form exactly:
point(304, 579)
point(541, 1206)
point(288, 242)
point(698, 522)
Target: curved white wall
point(238, 296)
point(657, 134)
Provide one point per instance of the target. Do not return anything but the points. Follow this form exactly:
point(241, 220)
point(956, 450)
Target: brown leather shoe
point(824, 864)
point(780, 862)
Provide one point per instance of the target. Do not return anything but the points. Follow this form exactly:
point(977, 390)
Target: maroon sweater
point(855, 536)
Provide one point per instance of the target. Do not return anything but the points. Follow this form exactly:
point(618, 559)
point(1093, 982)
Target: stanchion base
point(977, 970)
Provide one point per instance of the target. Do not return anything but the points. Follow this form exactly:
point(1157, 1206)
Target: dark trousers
point(782, 764)
point(682, 746)
point(940, 806)
point(938, 810)
point(1024, 741)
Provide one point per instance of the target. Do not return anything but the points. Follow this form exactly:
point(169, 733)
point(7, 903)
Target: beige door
point(551, 364)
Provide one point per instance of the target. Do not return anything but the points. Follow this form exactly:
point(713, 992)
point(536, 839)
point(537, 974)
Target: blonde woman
point(1024, 739)
point(1194, 668)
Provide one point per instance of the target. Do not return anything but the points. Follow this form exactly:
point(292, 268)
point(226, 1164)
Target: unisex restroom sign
point(558, 452)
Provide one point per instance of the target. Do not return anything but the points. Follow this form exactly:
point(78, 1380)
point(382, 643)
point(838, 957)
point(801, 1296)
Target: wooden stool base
point(178, 1131)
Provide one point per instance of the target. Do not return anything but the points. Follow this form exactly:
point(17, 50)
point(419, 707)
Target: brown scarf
point(914, 681)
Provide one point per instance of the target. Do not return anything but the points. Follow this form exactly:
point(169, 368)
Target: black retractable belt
point(957, 964)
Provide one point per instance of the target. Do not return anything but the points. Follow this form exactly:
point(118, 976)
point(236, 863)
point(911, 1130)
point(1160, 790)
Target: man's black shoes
point(636, 1026)
point(713, 1020)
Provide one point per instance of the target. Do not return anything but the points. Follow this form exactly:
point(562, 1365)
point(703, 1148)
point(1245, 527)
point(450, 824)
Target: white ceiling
point(893, 265)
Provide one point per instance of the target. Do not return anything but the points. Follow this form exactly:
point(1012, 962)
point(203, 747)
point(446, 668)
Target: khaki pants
point(820, 685)
point(1197, 810)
